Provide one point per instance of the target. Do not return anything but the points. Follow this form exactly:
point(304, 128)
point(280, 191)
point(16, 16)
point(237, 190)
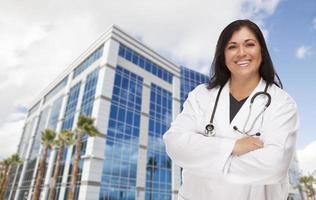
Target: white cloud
point(40, 38)
point(307, 158)
point(259, 8)
point(10, 135)
point(302, 52)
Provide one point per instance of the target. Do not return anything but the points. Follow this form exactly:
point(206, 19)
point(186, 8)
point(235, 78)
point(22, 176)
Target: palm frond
point(48, 136)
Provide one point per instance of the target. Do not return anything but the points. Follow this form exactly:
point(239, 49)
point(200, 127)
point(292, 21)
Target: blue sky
point(40, 38)
point(290, 27)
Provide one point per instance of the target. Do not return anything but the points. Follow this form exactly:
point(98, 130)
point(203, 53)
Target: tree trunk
point(41, 173)
point(4, 183)
point(152, 182)
point(75, 169)
point(56, 173)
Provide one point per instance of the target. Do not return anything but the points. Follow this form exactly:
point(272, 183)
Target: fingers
point(258, 143)
point(246, 144)
point(255, 143)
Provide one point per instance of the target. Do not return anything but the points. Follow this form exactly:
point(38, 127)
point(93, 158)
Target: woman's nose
point(241, 51)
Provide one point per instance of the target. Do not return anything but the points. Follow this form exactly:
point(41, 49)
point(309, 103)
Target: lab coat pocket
point(193, 187)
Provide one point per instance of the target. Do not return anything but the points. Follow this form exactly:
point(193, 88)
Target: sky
point(40, 38)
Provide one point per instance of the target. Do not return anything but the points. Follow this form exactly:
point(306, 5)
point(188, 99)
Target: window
point(71, 107)
point(89, 93)
point(144, 63)
point(120, 164)
point(158, 168)
point(88, 61)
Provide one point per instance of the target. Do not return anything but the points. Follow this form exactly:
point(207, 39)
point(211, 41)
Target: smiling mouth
point(243, 63)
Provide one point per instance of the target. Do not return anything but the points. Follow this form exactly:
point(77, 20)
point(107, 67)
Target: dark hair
point(220, 73)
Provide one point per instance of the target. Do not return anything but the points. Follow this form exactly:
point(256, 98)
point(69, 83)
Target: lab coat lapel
point(258, 104)
point(221, 118)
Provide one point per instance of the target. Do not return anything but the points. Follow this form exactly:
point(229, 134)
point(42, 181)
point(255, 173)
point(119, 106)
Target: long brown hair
point(219, 72)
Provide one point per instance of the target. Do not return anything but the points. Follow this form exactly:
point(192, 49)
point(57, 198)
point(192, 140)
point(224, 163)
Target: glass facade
point(30, 172)
point(40, 127)
point(71, 107)
point(189, 80)
point(144, 63)
point(121, 151)
point(61, 171)
point(67, 125)
point(56, 89)
point(88, 61)
point(27, 179)
point(85, 109)
point(158, 168)
point(53, 119)
point(89, 93)
point(27, 137)
point(13, 181)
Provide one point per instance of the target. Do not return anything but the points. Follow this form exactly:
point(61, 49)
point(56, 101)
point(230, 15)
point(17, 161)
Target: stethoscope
point(210, 129)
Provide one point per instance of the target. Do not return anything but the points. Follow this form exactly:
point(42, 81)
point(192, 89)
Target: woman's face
point(243, 55)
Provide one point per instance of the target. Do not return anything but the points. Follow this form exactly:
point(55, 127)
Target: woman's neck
point(241, 89)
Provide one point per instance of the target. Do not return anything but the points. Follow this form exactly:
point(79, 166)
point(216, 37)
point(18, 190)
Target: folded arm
point(205, 156)
point(268, 165)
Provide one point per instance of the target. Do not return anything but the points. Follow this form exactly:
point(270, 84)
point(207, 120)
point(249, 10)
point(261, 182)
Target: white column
point(94, 157)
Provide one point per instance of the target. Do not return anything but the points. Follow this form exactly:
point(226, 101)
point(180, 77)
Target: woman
point(247, 155)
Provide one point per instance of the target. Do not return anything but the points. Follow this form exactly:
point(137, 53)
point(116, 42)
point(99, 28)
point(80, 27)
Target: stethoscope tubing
point(210, 128)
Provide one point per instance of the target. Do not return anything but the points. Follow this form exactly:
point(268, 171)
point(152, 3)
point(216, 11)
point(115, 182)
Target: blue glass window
point(144, 63)
point(189, 80)
point(68, 124)
point(88, 61)
point(56, 89)
point(158, 168)
point(40, 127)
point(71, 107)
point(86, 109)
point(53, 119)
point(120, 164)
point(89, 93)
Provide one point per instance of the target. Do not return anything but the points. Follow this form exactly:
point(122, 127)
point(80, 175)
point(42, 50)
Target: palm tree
point(4, 170)
point(151, 166)
point(65, 138)
point(7, 166)
point(85, 126)
point(308, 182)
point(48, 136)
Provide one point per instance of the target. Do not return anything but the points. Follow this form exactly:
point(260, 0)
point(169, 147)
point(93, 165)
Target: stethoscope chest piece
point(209, 130)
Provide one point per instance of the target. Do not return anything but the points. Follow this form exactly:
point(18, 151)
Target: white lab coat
point(210, 172)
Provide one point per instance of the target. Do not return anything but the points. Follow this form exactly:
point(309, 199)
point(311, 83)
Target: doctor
point(246, 153)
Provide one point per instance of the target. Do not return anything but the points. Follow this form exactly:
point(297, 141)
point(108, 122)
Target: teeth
point(243, 63)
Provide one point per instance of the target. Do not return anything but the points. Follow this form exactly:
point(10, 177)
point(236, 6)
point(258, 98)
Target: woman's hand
point(246, 144)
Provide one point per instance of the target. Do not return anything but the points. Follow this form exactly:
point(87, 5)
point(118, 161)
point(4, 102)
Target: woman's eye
point(231, 47)
point(250, 44)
